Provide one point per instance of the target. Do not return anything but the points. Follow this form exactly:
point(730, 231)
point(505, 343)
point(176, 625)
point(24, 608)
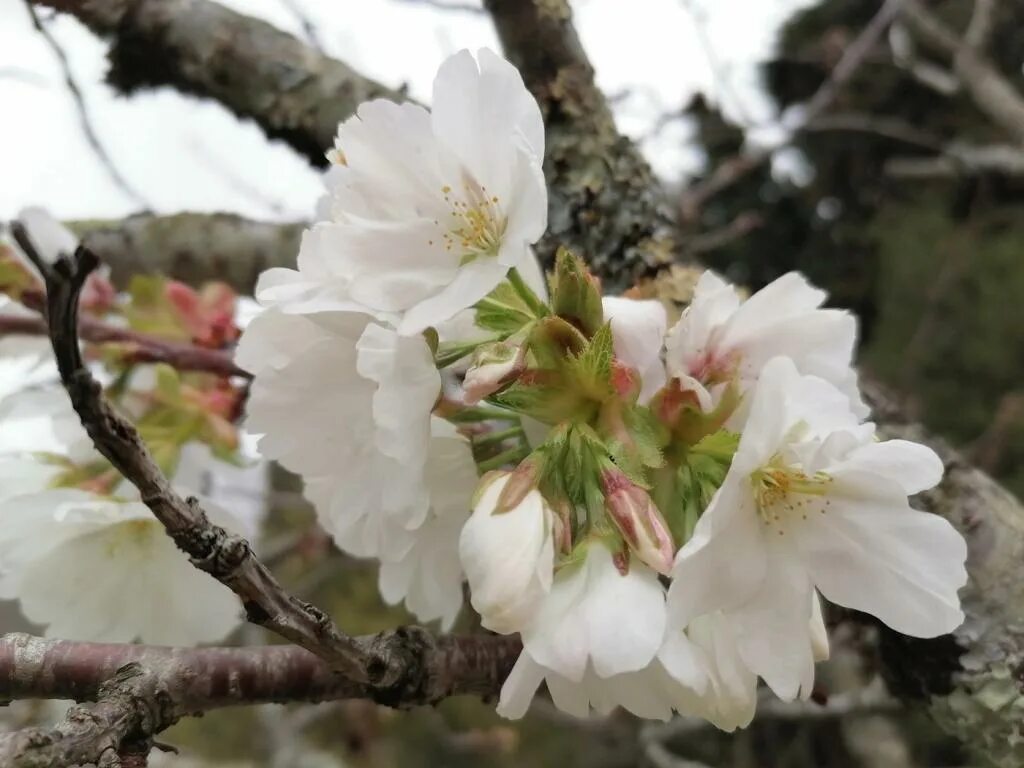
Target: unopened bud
point(576, 293)
point(562, 526)
point(521, 481)
point(639, 520)
point(495, 366)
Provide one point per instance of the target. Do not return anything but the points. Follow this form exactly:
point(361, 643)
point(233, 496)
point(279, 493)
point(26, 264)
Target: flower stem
point(525, 292)
point(447, 354)
point(511, 456)
point(494, 438)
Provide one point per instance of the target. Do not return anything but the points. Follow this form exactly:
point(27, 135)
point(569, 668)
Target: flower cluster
point(656, 511)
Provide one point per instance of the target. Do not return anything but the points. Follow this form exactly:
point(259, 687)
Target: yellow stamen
point(781, 489)
point(476, 223)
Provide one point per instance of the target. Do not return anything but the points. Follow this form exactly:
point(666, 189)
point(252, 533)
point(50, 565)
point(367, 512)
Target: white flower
point(430, 210)
point(96, 569)
point(721, 339)
point(708, 677)
point(508, 556)
point(345, 402)
point(706, 674)
point(646, 692)
point(812, 501)
point(594, 626)
point(429, 577)
point(638, 332)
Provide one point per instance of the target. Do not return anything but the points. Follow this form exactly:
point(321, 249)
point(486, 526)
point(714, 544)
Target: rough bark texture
point(972, 683)
point(140, 690)
point(131, 706)
point(292, 91)
point(604, 202)
point(192, 247)
point(201, 679)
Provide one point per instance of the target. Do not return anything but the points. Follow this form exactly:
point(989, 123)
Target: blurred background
point(891, 189)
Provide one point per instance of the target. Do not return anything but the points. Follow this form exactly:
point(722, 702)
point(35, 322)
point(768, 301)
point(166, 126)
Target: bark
point(604, 202)
point(201, 679)
point(152, 687)
point(971, 682)
point(192, 247)
point(291, 90)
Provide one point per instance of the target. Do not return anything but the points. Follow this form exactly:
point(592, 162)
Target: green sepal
point(576, 293)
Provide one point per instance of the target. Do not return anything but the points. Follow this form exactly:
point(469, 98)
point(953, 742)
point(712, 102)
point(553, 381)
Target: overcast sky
point(184, 154)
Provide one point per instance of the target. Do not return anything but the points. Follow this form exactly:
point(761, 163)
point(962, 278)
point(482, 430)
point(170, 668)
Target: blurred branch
point(134, 346)
point(959, 159)
point(735, 168)
point(192, 247)
point(991, 92)
point(739, 227)
point(293, 92)
point(877, 125)
point(723, 83)
point(987, 450)
point(85, 121)
point(983, 21)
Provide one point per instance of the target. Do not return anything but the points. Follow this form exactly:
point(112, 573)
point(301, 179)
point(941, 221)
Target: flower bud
point(508, 558)
point(639, 520)
point(495, 366)
point(576, 293)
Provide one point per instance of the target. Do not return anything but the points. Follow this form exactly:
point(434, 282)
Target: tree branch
point(137, 347)
point(85, 121)
point(733, 169)
point(226, 557)
point(604, 202)
point(292, 91)
point(180, 682)
point(131, 705)
point(192, 247)
point(991, 92)
point(202, 679)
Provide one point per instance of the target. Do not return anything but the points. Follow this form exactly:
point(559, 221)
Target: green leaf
point(591, 370)
point(503, 311)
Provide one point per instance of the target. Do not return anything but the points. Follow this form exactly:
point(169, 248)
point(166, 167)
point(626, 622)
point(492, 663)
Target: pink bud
point(639, 520)
point(521, 481)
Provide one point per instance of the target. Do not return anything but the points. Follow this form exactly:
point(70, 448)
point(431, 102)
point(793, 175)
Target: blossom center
point(781, 490)
point(475, 224)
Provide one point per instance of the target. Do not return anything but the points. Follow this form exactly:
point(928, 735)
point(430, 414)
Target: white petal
point(638, 333)
point(593, 614)
point(773, 628)
point(408, 385)
point(470, 284)
point(900, 565)
point(724, 562)
point(519, 687)
point(912, 466)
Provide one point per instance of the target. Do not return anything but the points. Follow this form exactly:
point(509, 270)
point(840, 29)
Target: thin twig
point(983, 21)
point(137, 347)
point(733, 169)
point(83, 113)
point(226, 557)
